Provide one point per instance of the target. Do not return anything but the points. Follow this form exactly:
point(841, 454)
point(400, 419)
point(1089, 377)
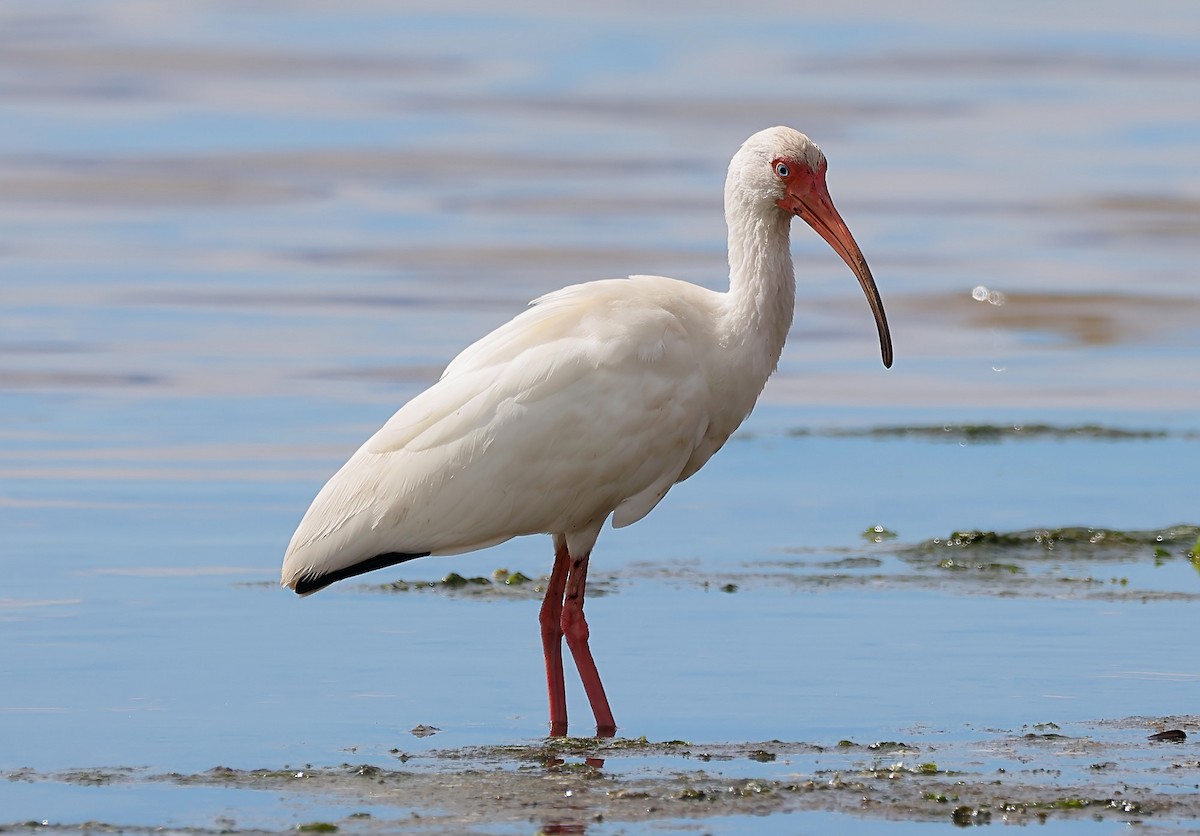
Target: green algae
point(457, 581)
point(878, 534)
point(510, 578)
point(994, 433)
point(1075, 561)
point(1095, 540)
point(503, 583)
point(1021, 551)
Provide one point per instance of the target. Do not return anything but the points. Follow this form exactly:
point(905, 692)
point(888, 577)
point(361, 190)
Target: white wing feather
point(594, 400)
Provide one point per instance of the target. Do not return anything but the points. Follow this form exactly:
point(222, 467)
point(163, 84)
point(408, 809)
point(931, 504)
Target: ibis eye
point(782, 170)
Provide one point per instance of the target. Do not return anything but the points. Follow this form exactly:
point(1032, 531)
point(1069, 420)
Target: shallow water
point(235, 237)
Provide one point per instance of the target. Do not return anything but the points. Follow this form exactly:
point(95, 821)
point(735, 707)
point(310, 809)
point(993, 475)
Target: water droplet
point(992, 297)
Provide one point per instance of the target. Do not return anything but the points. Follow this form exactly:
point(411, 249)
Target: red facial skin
point(807, 196)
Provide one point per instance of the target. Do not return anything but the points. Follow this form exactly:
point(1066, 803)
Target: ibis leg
point(552, 635)
point(575, 628)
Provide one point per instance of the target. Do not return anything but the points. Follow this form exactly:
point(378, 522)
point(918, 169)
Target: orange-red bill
point(814, 205)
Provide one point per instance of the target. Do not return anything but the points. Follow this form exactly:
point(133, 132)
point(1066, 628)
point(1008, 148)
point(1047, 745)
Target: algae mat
point(1136, 770)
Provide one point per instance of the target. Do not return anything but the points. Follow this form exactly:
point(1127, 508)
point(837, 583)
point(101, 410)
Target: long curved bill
point(817, 210)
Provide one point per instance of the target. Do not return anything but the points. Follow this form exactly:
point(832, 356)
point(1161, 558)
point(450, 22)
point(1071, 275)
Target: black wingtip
point(307, 584)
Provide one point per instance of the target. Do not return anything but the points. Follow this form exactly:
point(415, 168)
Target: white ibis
point(589, 405)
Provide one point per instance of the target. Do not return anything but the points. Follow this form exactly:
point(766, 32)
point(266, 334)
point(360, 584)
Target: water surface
point(235, 237)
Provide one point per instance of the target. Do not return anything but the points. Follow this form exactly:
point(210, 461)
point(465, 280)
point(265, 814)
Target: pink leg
point(575, 628)
point(552, 634)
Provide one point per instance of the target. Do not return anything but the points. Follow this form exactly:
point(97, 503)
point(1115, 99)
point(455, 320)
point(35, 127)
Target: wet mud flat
point(1131, 770)
point(1052, 767)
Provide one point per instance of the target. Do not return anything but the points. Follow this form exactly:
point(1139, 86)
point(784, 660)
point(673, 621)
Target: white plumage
point(588, 405)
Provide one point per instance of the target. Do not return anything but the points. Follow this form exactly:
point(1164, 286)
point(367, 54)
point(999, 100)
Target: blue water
point(234, 238)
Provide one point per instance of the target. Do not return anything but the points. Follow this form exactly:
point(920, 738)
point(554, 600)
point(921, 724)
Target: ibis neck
point(762, 285)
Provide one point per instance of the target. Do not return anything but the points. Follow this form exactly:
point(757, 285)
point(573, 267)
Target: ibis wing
point(593, 400)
